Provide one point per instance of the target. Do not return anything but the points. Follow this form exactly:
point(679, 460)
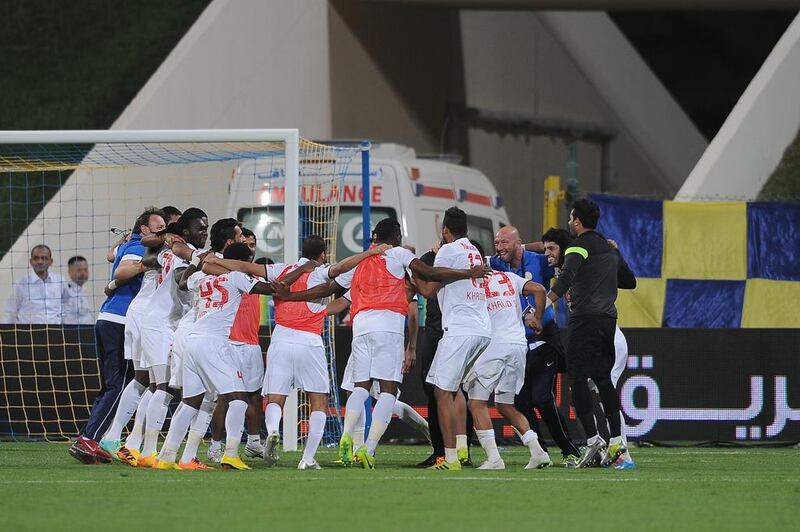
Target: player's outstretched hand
point(279, 289)
point(476, 272)
point(380, 249)
point(533, 323)
point(172, 239)
point(409, 359)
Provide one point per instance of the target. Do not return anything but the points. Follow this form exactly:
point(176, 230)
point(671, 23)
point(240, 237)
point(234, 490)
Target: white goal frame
point(291, 140)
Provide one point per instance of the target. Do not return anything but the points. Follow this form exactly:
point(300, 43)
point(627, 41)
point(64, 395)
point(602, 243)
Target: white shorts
point(159, 373)
point(349, 385)
point(132, 346)
point(295, 366)
point(251, 362)
point(499, 369)
point(377, 355)
point(176, 357)
point(210, 366)
point(454, 357)
point(156, 345)
point(620, 356)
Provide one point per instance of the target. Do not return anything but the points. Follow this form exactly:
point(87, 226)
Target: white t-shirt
point(463, 302)
point(318, 276)
point(218, 302)
point(168, 304)
point(370, 321)
point(149, 285)
point(505, 310)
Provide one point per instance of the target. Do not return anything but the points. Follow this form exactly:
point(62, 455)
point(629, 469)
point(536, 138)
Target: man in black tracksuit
point(592, 270)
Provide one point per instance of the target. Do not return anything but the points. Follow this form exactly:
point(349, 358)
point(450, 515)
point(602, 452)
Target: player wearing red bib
point(379, 308)
point(296, 353)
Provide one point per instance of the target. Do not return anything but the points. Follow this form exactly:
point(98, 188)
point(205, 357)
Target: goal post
point(97, 180)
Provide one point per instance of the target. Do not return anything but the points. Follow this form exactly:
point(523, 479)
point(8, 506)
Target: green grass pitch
point(43, 488)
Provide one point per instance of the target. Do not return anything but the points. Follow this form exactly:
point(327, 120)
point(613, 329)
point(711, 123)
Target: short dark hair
point(45, 246)
point(222, 230)
point(559, 236)
point(455, 220)
point(587, 211)
point(477, 245)
point(313, 247)
point(247, 233)
point(176, 228)
point(261, 260)
point(386, 230)
point(144, 218)
point(237, 251)
point(76, 258)
point(169, 211)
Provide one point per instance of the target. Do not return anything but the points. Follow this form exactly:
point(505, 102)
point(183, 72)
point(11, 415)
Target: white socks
point(134, 439)
point(354, 408)
point(487, 441)
point(197, 430)
point(531, 440)
point(156, 414)
point(128, 403)
point(234, 425)
point(316, 427)
point(358, 431)
point(177, 430)
point(381, 416)
point(461, 441)
point(272, 417)
point(450, 455)
point(411, 417)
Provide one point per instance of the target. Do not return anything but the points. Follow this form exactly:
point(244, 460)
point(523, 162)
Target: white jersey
point(369, 321)
point(318, 276)
point(149, 284)
point(463, 302)
point(218, 303)
point(503, 304)
point(168, 304)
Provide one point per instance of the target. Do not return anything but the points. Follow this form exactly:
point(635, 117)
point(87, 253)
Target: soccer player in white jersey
point(166, 307)
point(500, 369)
point(296, 353)
point(224, 232)
point(467, 331)
point(211, 365)
point(379, 308)
point(403, 411)
point(130, 266)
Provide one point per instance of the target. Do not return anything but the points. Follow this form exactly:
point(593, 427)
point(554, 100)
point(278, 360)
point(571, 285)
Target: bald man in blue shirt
point(544, 348)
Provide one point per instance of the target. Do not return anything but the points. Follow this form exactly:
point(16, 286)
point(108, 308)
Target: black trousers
point(591, 356)
point(427, 343)
point(115, 373)
point(539, 390)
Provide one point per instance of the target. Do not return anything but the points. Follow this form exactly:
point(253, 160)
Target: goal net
point(75, 192)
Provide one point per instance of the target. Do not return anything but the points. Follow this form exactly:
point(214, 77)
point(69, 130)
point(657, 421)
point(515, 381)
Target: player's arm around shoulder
point(351, 262)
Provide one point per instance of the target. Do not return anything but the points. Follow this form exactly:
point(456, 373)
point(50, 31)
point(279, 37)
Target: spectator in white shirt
point(78, 306)
point(38, 297)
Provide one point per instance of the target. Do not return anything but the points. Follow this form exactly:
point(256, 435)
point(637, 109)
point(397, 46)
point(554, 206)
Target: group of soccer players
point(192, 329)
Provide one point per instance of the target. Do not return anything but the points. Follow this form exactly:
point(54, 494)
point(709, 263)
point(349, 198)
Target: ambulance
point(413, 190)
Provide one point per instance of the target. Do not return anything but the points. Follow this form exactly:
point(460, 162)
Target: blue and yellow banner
point(706, 264)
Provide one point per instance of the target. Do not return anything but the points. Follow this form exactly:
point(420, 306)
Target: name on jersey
point(476, 296)
point(499, 304)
